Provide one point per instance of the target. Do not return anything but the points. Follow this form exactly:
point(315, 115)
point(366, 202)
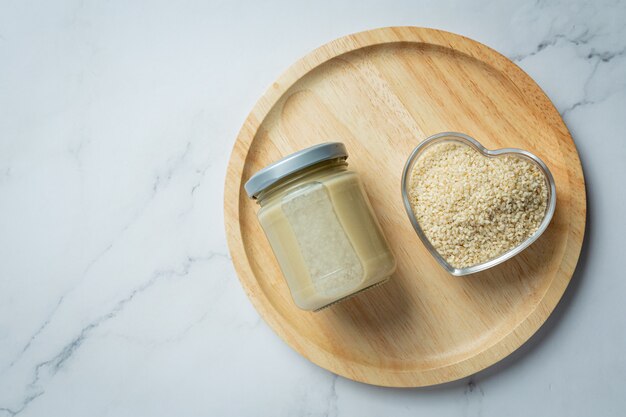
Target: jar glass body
point(324, 233)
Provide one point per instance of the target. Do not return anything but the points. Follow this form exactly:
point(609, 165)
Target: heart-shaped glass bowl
point(466, 140)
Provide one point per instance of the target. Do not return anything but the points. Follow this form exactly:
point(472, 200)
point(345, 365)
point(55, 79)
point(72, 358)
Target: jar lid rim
point(292, 163)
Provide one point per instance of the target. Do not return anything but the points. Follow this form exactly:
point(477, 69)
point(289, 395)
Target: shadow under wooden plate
point(381, 92)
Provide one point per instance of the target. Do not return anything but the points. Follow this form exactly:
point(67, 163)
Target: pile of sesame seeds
point(474, 208)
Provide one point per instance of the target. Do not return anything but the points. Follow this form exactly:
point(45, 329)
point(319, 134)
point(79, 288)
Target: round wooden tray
point(381, 92)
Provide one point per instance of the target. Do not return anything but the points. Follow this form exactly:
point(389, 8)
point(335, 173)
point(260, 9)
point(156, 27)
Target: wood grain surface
point(381, 92)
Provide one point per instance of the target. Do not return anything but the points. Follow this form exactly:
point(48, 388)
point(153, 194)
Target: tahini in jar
point(321, 226)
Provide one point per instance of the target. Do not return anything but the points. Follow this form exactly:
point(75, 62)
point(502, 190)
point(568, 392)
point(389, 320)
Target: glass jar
point(321, 226)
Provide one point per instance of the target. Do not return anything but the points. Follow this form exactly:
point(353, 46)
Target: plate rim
point(233, 195)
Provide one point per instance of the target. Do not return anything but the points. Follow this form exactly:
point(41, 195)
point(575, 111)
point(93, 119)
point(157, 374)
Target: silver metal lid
point(293, 163)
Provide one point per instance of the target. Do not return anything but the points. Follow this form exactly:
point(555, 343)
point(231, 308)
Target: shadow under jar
point(321, 226)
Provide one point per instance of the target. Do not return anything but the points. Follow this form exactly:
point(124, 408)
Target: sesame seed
point(474, 208)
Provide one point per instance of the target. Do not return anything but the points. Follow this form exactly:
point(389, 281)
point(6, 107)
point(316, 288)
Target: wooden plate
point(381, 92)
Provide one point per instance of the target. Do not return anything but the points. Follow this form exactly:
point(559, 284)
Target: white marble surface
point(117, 294)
